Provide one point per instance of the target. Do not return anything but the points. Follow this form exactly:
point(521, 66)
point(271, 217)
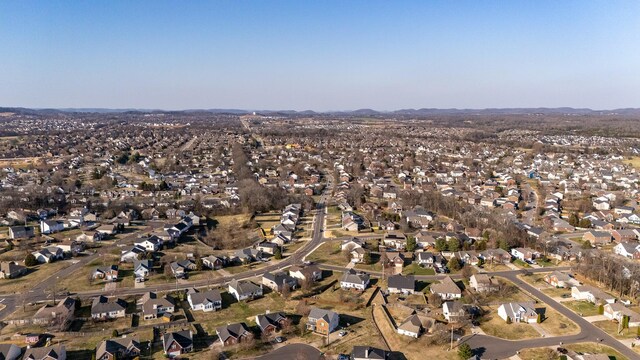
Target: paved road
point(41, 291)
point(292, 352)
point(494, 348)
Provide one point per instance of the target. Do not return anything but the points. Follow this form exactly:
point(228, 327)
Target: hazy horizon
point(328, 56)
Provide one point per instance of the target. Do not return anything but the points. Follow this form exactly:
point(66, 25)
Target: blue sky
point(320, 55)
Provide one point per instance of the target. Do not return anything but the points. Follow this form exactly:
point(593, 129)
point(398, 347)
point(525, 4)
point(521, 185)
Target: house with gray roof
point(105, 308)
point(399, 284)
point(233, 334)
point(209, 300)
point(354, 280)
point(244, 289)
point(119, 348)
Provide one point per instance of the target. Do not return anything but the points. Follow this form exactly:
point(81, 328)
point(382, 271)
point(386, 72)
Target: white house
point(591, 294)
point(616, 311)
point(627, 249)
point(353, 280)
point(518, 312)
point(132, 254)
point(412, 327)
point(244, 289)
point(152, 243)
point(206, 301)
point(447, 289)
point(51, 226)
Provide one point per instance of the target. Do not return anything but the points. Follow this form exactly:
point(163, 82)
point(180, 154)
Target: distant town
point(408, 235)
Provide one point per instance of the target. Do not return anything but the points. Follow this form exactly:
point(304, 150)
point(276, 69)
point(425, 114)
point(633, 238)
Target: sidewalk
point(595, 318)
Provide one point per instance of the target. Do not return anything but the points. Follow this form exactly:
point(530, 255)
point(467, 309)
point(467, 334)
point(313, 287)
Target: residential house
point(429, 259)
point(322, 321)
point(617, 311)
point(10, 352)
point(152, 244)
point(267, 247)
point(425, 240)
point(518, 312)
point(11, 270)
point(525, 254)
point(630, 250)
point(142, 268)
point(351, 244)
point(233, 334)
point(278, 280)
point(412, 327)
point(21, 232)
point(597, 237)
point(180, 268)
point(53, 352)
point(368, 353)
point(357, 255)
point(272, 322)
point(132, 254)
point(244, 290)
point(482, 283)
point(177, 343)
point(213, 262)
point(454, 311)
point(306, 273)
point(104, 308)
point(399, 284)
point(249, 255)
point(51, 226)
point(120, 348)
point(154, 307)
point(560, 280)
point(591, 294)
point(48, 254)
point(107, 229)
point(354, 280)
point(392, 258)
point(60, 314)
point(209, 300)
point(108, 273)
point(447, 289)
point(395, 240)
point(624, 235)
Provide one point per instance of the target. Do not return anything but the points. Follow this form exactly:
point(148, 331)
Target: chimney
point(366, 353)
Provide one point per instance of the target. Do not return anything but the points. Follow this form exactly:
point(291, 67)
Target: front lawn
point(583, 308)
point(415, 269)
point(493, 325)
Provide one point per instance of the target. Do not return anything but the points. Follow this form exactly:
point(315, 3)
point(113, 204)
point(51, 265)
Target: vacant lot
point(611, 328)
point(593, 348)
point(538, 354)
point(34, 276)
point(557, 324)
point(328, 253)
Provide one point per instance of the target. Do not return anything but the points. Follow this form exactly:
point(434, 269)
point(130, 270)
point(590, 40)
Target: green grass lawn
point(415, 269)
point(521, 263)
point(581, 307)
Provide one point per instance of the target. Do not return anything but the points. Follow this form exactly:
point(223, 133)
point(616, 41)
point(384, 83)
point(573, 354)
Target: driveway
point(292, 351)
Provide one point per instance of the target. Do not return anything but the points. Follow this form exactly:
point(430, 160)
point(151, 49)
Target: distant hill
point(359, 112)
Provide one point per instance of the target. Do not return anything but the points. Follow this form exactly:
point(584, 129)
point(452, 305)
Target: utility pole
point(451, 346)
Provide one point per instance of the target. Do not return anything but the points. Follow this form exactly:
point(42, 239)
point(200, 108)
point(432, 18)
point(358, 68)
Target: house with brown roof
point(233, 334)
point(11, 270)
point(447, 289)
